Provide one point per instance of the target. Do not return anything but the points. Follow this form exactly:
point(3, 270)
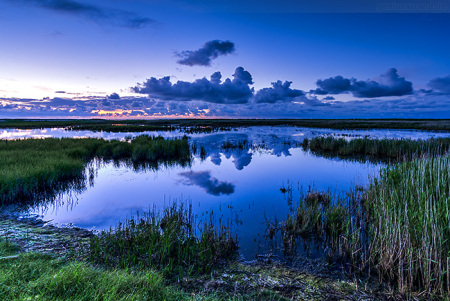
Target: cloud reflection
point(204, 180)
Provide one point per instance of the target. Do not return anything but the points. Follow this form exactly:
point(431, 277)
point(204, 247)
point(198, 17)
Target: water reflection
point(243, 180)
point(204, 180)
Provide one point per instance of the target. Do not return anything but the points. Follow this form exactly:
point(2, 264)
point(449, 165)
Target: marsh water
point(241, 185)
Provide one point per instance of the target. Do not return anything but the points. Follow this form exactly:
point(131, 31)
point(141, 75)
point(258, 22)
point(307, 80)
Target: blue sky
point(321, 59)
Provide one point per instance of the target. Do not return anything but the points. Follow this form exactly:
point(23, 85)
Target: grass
point(393, 149)
point(174, 242)
point(410, 225)
point(211, 125)
point(35, 169)
point(35, 276)
point(399, 227)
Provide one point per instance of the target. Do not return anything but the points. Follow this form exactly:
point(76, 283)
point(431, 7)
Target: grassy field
point(207, 125)
point(35, 169)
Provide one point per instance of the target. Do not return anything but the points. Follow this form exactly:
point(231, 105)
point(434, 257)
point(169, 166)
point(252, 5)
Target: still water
point(240, 185)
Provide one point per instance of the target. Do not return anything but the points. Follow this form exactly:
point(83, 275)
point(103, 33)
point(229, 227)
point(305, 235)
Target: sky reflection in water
point(235, 184)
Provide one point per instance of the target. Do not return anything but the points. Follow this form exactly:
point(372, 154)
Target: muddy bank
point(36, 235)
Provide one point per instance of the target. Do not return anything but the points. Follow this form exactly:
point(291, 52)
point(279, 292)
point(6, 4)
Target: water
point(241, 186)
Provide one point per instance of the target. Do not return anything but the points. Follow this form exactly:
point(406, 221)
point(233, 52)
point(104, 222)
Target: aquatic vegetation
point(398, 227)
point(396, 149)
point(173, 241)
point(409, 228)
point(36, 169)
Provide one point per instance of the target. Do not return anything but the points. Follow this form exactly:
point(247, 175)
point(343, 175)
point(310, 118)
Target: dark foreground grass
point(397, 228)
point(174, 242)
point(391, 149)
point(35, 169)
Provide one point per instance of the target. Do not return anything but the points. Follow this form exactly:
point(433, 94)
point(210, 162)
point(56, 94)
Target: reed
point(172, 241)
point(397, 227)
point(394, 149)
point(410, 225)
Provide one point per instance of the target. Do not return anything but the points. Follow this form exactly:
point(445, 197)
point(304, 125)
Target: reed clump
point(396, 149)
point(34, 169)
point(398, 227)
point(172, 241)
point(410, 225)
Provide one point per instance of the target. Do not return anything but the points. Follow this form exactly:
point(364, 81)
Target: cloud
point(114, 96)
point(390, 84)
point(204, 180)
point(278, 92)
point(116, 17)
point(235, 91)
point(440, 84)
point(203, 56)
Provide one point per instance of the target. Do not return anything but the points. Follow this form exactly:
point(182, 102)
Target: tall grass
point(410, 224)
point(397, 149)
point(173, 241)
point(398, 227)
point(34, 169)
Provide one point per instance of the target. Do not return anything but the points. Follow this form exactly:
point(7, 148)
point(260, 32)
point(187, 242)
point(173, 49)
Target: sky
point(224, 59)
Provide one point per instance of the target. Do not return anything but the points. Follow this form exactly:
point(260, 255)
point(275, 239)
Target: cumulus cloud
point(389, 84)
point(440, 84)
point(114, 96)
point(203, 56)
point(92, 12)
point(204, 180)
point(278, 92)
point(235, 91)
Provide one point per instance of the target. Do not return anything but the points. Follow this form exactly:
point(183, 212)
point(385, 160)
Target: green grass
point(410, 224)
point(36, 276)
point(393, 149)
point(399, 227)
point(36, 169)
point(173, 241)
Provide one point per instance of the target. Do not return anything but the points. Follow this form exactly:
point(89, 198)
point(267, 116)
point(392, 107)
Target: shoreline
point(308, 280)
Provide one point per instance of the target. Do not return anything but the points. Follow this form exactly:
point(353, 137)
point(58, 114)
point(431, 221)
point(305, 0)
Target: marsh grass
point(172, 241)
point(390, 149)
point(37, 169)
point(397, 228)
point(410, 225)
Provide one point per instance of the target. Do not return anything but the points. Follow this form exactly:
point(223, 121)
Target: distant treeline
point(168, 124)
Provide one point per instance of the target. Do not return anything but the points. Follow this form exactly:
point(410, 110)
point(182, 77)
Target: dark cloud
point(278, 92)
point(440, 84)
point(333, 85)
point(92, 12)
point(203, 56)
point(390, 84)
point(329, 98)
point(235, 91)
point(204, 180)
point(114, 96)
